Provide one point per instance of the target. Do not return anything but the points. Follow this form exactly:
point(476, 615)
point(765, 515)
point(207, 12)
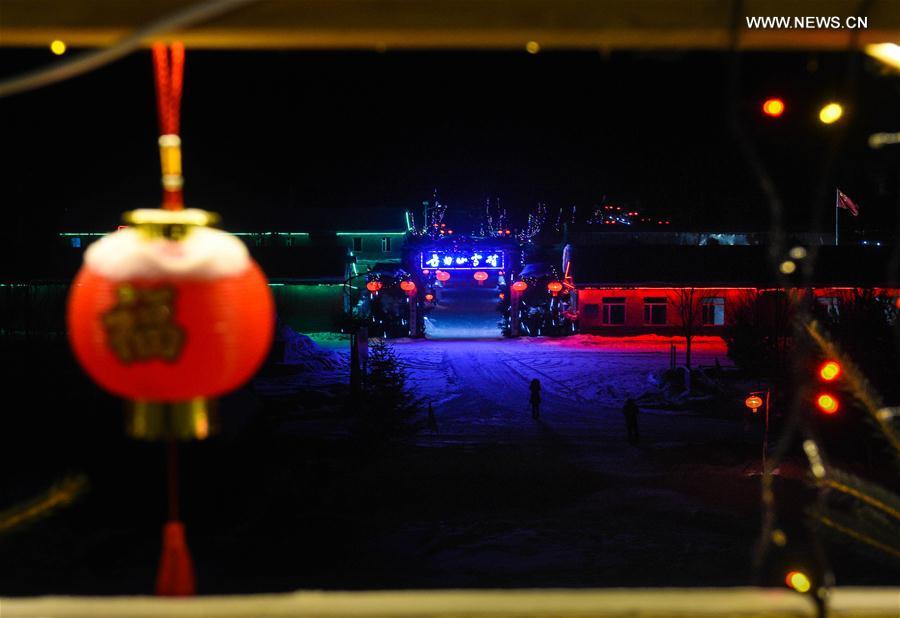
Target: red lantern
point(373, 286)
point(429, 297)
point(555, 287)
point(753, 402)
point(519, 286)
point(408, 286)
point(480, 275)
point(170, 313)
point(442, 275)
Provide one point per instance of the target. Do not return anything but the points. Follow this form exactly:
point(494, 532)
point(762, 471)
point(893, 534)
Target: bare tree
point(687, 307)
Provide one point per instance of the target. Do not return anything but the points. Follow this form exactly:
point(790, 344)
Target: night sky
point(267, 134)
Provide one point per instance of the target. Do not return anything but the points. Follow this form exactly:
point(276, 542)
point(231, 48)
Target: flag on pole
point(846, 203)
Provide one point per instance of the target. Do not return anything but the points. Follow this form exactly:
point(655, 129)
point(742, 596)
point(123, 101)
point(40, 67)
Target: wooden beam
point(448, 24)
point(647, 603)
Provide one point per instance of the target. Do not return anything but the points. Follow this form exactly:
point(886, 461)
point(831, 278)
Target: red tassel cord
point(175, 577)
point(176, 569)
point(168, 69)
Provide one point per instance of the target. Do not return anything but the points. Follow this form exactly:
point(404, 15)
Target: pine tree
point(388, 405)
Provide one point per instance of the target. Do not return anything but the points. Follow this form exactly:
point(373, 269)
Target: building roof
point(319, 221)
point(364, 219)
point(313, 264)
point(723, 265)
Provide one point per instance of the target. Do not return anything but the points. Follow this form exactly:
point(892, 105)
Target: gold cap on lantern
point(172, 224)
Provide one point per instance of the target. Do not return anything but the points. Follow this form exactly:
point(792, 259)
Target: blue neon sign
point(459, 260)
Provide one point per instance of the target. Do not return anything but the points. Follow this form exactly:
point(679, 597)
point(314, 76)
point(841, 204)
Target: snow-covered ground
point(566, 500)
point(479, 387)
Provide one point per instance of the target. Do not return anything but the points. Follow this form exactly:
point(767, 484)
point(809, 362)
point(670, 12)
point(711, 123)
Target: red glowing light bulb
point(830, 370)
point(773, 107)
point(827, 403)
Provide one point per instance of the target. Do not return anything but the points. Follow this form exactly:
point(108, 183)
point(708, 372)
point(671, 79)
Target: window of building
point(713, 311)
point(614, 310)
point(831, 305)
point(385, 245)
point(591, 312)
point(357, 243)
point(655, 309)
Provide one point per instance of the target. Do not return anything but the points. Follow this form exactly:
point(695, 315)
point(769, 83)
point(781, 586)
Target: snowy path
point(479, 388)
point(464, 312)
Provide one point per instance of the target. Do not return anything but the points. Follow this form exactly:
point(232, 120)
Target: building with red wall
point(636, 289)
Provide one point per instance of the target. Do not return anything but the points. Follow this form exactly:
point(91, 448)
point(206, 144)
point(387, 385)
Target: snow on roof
point(723, 265)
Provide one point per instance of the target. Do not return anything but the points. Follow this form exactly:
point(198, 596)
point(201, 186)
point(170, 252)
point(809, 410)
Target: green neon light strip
point(370, 233)
point(258, 233)
point(270, 233)
point(234, 233)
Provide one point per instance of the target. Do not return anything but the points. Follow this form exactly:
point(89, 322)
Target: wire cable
point(90, 61)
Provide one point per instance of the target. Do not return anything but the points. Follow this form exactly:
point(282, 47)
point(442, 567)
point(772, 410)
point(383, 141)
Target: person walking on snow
point(630, 411)
point(535, 398)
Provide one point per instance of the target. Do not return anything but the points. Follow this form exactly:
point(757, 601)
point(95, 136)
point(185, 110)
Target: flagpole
point(837, 193)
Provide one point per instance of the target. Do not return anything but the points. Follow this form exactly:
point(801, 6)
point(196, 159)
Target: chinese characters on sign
point(140, 327)
point(470, 260)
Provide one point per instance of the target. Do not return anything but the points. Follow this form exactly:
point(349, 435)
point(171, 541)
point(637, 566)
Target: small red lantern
point(502, 295)
point(169, 313)
point(373, 286)
point(555, 287)
point(753, 402)
point(519, 286)
point(442, 275)
point(408, 286)
point(429, 297)
point(480, 275)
